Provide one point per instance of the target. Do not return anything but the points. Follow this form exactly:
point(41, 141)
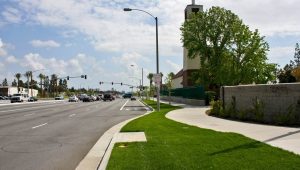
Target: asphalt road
point(56, 135)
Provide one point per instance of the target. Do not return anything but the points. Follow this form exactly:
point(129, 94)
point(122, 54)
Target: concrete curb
point(98, 156)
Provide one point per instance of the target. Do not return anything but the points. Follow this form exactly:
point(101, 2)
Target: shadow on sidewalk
point(282, 136)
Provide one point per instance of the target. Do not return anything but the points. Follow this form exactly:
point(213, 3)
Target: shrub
point(258, 109)
point(210, 96)
point(217, 108)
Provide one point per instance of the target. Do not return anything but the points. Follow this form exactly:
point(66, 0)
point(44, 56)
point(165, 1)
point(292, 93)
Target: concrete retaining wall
point(277, 98)
point(184, 100)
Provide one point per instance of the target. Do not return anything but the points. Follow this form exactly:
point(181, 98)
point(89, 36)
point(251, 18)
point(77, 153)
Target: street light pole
point(157, 56)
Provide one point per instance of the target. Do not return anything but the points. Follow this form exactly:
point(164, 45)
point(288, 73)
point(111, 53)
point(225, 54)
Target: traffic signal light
point(84, 76)
point(68, 78)
point(121, 84)
point(100, 82)
point(112, 83)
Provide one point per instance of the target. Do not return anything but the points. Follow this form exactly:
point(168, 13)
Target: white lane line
point(29, 114)
point(39, 125)
point(72, 115)
point(29, 108)
point(124, 104)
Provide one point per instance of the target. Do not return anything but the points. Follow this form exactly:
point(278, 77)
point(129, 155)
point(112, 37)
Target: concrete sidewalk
point(282, 137)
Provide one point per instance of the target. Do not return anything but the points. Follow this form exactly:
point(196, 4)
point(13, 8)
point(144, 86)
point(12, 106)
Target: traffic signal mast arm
point(112, 83)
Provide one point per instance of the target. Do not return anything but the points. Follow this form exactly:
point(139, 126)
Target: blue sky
point(95, 37)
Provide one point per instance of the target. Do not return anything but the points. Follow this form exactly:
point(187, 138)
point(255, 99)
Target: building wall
point(177, 83)
point(9, 91)
point(276, 98)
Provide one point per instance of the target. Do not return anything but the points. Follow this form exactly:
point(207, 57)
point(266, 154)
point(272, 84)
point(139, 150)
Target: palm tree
point(42, 77)
point(28, 75)
point(150, 76)
point(18, 76)
point(54, 83)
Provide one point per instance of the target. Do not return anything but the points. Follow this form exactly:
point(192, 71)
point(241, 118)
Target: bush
point(217, 108)
point(258, 110)
point(210, 96)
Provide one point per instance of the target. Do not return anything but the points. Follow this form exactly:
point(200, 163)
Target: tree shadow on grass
point(252, 145)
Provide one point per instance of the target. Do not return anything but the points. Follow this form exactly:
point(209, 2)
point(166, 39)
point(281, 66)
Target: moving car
point(127, 95)
point(132, 98)
point(73, 99)
point(19, 97)
point(88, 99)
point(59, 98)
point(108, 97)
point(32, 99)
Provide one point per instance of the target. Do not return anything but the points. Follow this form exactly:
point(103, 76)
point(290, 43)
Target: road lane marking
point(30, 108)
point(124, 104)
point(39, 125)
point(29, 114)
point(72, 115)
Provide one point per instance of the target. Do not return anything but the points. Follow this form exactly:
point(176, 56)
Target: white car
point(73, 99)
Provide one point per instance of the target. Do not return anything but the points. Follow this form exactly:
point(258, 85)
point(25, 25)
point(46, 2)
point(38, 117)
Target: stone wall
point(276, 98)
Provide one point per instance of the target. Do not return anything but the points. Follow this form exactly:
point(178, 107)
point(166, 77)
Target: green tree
point(41, 77)
point(285, 74)
point(27, 75)
point(168, 82)
point(229, 52)
point(150, 76)
point(18, 76)
point(14, 83)
point(4, 82)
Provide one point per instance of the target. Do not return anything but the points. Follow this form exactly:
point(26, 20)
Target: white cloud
point(44, 44)
point(3, 52)
point(174, 67)
point(34, 62)
point(11, 59)
point(12, 15)
point(281, 54)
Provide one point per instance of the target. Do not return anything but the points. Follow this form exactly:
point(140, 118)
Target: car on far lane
point(88, 99)
point(132, 98)
point(32, 99)
point(73, 99)
point(59, 98)
point(107, 97)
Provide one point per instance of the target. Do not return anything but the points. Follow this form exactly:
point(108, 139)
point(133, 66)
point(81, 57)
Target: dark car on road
point(32, 99)
point(127, 95)
point(87, 99)
point(108, 97)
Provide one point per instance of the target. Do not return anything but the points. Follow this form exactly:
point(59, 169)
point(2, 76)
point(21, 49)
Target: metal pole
point(157, 65)
point(142, 82)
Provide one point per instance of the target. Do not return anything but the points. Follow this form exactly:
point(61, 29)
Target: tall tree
point(4, 82)
point(14, 83)
point(53, 84)
point(28, 76)
point(297, 55)
point(41, 77)
point(229, 52)
point(285, 74)
point(18, 76)
point(150, 76)
point(168, 82)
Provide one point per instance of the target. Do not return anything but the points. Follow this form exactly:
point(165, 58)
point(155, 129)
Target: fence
point(196, 92)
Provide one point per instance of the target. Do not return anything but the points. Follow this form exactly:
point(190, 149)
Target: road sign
point(157, 79)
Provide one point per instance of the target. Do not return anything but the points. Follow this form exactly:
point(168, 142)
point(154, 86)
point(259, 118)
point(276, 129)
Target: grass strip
point(173, 145)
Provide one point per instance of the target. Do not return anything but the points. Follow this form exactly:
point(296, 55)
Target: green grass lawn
point(172, 145)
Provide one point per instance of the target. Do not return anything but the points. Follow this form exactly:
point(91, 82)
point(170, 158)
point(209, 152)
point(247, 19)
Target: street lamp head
point(127, 9)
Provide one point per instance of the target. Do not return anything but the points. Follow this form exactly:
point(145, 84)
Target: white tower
point(190, 65)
